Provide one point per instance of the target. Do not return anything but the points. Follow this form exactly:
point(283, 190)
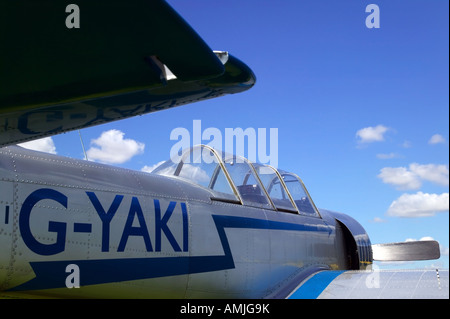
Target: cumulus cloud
point(112, 148)
point(438, 174)
point(436, 139)
point(412, 177)
point(45, 144)
point(400, 177)
point(372, 134)
point(195, 173)
point(149, 169)
point(419, 205)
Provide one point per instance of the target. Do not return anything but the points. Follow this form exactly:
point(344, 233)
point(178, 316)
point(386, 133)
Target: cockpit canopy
point(234, 179)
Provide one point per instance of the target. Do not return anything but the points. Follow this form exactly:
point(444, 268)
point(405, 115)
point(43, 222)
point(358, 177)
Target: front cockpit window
point(194, 168)
point(167, 168)
point(202, 166)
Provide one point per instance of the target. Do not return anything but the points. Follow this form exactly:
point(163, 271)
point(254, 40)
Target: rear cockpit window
point(250, 189)
point(299, 194)
point(275, 188)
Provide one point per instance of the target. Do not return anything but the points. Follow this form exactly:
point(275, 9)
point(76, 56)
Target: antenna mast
point(82, 145)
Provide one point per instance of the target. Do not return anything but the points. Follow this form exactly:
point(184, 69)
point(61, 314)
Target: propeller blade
point(406, 251)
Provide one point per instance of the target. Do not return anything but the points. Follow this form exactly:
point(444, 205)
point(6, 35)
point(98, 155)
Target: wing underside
point(125, 59)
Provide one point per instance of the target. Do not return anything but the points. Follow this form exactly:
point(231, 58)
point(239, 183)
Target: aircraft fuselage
point(123, 233)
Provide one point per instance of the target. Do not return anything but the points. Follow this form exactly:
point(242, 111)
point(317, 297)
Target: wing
point(126, 58)
point(378, 284)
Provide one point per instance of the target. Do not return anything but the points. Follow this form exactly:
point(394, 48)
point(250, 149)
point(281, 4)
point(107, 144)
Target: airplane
point(212, 225)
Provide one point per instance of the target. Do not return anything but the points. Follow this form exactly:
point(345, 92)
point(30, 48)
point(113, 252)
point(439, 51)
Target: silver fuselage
point(135, 234)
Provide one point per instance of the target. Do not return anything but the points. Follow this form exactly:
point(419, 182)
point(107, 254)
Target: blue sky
point(356, 108)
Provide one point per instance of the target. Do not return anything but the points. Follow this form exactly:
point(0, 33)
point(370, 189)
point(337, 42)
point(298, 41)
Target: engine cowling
point(357, 245)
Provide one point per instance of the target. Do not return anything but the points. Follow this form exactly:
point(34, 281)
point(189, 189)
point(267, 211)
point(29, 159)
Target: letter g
point(58, 227)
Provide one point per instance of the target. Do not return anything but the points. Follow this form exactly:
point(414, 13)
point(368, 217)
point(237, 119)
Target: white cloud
point(43, 145)
point(195, 173)
point(444, 250)
point(411, 178)
point(378, 220)
point(426, 238)
point(400, 177)
point(149, 169)
point(406, 144)
point(438, 174)
point(387, 156)
point(372, 134)
point(436, 139)
point(419, 205)
point(112, 148)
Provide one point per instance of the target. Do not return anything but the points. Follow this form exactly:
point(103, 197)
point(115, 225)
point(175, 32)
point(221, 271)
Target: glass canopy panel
point(299, 194)
point(201, 166)
point(233, 178)
point(274, 187)
point(247, 184)
point(167, 168)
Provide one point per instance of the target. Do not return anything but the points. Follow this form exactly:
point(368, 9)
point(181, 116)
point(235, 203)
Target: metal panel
point(6, 232)
point(378, 284)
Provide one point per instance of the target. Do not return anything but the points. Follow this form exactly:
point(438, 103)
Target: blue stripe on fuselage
point(52, 274)
point(312, 288)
